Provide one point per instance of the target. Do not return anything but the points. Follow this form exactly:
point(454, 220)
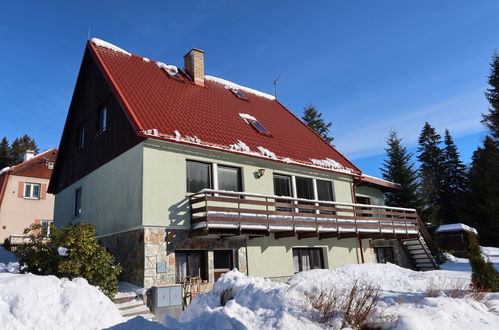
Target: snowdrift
point(30, 301)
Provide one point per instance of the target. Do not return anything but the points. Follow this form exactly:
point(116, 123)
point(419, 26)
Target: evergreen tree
point(453, 183)
point(491, 119)
point(483, 202)
point(483, 199)
point(313, 118)
point(431, 167)
point(398, 168)
point(19, 147)
point(4, 153)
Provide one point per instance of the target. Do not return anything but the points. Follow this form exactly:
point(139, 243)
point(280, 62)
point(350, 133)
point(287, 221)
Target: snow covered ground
point(45, 302)
point(30, 301)
point(404, 303)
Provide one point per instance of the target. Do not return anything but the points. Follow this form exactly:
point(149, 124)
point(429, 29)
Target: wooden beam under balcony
point(284, 234)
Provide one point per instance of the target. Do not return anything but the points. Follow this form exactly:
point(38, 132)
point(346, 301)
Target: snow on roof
point(246, 116)
point(5, 169)
point(267, 152)
point(108, 45)
point(231, 85)
point(376, 178)
point(171, 69)
point(240, 146)
point(328, 163)
point(456, 227)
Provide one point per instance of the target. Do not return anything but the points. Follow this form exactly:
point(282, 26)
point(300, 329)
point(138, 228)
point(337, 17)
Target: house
point(185, 174)
point(455, 237)
point(23, 196)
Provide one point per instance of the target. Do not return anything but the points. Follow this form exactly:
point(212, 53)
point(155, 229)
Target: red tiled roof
point(154, 100)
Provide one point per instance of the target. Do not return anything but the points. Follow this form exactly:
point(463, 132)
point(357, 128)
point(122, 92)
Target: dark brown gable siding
point(91, 93)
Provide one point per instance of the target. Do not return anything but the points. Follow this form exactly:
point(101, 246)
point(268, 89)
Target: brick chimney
point(194, 65)
point(28, 155)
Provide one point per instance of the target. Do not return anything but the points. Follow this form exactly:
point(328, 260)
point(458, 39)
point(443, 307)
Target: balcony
point(217, 213)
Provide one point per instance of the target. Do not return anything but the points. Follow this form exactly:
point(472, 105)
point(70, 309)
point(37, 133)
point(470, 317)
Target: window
point(50, 165)
point(229, 178)
point(81, 137)
point(325, 193)
point(189, 264)
point(305, 189)
point(307, 259)
point(102, 120)
point(198, 176)
point(238, 93)
point(259, 127)
point(32, 190)
point(223, 261)
point(77, 209)
point(45, 228)
point(282, 187)
point(384, 255)
point(367, 201)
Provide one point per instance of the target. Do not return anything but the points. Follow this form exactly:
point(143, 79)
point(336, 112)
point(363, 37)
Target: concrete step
point(136, 311)
point(130, 304)
point(121, 298)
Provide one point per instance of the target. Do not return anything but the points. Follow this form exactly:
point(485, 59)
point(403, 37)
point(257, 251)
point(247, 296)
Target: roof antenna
point(275, 85)
point(88, 36)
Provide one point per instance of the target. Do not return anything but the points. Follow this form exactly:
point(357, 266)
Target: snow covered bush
point(70, 252)
point(483, 277)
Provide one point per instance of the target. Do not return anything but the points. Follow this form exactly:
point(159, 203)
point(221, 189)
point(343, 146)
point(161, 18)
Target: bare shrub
point(351, 305)
point(458, 289)
point(226, 295)
point(433, 288)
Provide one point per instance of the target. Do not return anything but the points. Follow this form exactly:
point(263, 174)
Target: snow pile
point(230, 85)
point(105, 44)
point(240, 146)
point(172, 70)
point(145, 59)
point(247, 117)
point(266, 152)
point(261, 304)
point(454, 264)
point(30, 301)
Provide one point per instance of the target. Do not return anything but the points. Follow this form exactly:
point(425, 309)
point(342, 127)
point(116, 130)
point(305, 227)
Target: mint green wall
point(111, 195)
point(266, 251)
point(374, 194)
point(164, 199)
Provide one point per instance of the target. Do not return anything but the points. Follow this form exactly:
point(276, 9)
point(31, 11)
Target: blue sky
point(369, 66)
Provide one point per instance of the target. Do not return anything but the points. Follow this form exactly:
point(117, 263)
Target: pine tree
point(4, 153)
point(313, 118)
point(483, 206)
point(19, 147)
point(491, 119)
point(398, 168)
point(454, 182)
point(431, 166)
point(483, 203)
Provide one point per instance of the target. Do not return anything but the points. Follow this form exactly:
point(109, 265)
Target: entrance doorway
point(223, 261)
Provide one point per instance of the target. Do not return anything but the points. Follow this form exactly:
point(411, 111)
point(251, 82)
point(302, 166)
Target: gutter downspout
point(356, 183)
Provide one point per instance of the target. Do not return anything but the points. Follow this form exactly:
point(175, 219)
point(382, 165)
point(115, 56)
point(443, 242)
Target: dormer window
point(238, 93)
point(259, 127)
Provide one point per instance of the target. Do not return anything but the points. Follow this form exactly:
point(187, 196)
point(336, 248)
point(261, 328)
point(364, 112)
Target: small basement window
point(238, 93)
point(259, 127)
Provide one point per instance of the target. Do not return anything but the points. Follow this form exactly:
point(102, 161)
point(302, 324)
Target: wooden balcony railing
point(234, 213)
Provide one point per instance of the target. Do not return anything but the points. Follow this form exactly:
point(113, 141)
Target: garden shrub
point(484, 276)
point(85, 257)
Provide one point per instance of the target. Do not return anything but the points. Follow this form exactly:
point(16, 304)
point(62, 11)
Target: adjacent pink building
point(23, 195)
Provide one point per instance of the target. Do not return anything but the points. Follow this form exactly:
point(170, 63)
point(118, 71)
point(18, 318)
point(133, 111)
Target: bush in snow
point(483, 276)
point(350, 306)
point(71, 252)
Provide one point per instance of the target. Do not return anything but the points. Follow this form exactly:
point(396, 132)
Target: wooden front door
point(223, 261)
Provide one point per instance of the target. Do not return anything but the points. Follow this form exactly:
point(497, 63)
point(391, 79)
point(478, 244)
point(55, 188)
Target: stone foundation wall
point(128, 249)
point(160, 246)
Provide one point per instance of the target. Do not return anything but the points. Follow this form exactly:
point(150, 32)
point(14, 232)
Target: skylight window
point(238, 93)
point(259, 127)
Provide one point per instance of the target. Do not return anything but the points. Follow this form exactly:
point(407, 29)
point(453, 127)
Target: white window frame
point(48, 222)
point(31, 190)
